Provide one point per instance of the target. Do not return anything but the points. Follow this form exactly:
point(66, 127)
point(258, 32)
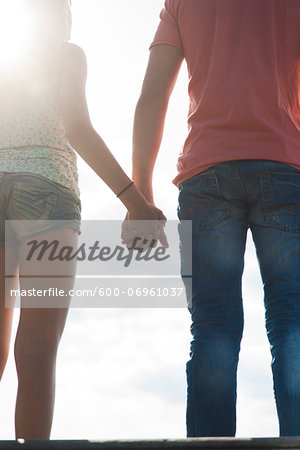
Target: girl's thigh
point(7, 298)
point(45, 285)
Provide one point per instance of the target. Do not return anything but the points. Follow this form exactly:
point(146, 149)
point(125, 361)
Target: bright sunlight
point(14, 39)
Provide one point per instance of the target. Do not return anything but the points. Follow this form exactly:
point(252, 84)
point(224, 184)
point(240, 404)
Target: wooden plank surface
point(283, 443)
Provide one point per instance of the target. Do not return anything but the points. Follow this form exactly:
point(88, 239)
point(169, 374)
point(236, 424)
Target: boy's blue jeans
point(223, 202)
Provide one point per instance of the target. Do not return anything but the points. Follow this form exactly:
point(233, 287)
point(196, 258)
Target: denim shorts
point(41, 205)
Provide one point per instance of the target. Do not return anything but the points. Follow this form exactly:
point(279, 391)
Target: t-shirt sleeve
point(168, 28)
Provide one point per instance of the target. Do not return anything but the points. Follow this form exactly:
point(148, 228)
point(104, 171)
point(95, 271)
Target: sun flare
point(15, 31)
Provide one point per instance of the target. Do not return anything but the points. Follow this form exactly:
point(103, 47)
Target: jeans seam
point(238, 178)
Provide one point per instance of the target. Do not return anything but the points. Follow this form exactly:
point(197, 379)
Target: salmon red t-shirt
point(235, 51)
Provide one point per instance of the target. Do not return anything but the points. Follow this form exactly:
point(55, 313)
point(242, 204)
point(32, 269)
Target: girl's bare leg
point(38, 337)
point(6, 314)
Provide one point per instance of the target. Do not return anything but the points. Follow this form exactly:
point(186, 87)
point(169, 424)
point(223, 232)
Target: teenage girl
point(43, 110)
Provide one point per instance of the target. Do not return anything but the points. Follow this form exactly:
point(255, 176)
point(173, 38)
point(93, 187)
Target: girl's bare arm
point(87, 141)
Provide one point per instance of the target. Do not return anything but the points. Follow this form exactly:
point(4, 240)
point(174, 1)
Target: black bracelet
point(125, 189)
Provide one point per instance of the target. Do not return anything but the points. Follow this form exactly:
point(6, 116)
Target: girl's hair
point(52, 20)
point(49, 23)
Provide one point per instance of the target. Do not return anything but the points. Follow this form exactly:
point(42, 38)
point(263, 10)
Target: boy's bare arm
point(163, 67)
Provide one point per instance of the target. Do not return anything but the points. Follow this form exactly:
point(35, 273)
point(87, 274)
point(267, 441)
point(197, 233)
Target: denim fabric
point(36, 202)
point(223, 202)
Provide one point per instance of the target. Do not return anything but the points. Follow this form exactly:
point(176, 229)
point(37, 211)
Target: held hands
point(143, 227)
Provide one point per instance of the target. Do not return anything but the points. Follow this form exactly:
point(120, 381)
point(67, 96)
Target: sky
point(121, 372)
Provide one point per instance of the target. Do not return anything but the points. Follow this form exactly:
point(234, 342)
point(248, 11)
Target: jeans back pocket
point(32, 202)
point(281, 199)
point(200, 200)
